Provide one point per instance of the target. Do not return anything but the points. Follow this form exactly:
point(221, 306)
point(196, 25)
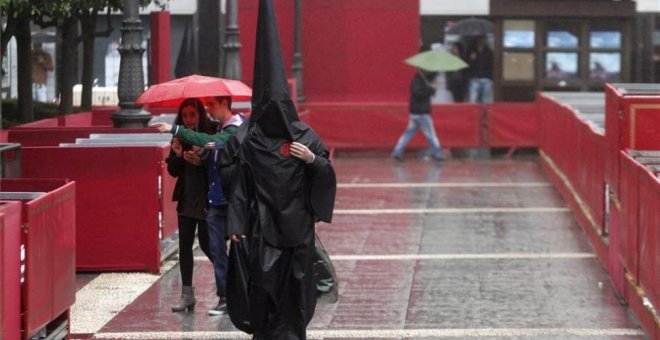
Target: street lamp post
point(232, 64)
point(296, 63)
point(131, 76)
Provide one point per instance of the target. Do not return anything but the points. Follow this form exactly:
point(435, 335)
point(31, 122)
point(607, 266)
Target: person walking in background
point(422, 88)
point(185, 164)
point(480, 58)
point(216, 218)
point(457, 81)
point(42, 63)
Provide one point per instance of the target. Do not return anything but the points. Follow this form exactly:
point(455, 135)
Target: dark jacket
point(482, 66)
point(191, 186)
point(421, 92)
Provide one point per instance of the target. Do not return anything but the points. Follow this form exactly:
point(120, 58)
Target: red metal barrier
point(573, 154)
point(379, 125)
point(580, 160)
point(55, 136)
point(513, 125)
point(48, 234)
point(629, 228)
point(10, 275)
point(119, 202)
point(649, 235)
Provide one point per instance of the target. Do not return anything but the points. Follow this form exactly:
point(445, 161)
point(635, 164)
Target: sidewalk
point(465, 249)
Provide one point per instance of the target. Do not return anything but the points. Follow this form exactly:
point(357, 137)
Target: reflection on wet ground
point(461, 249)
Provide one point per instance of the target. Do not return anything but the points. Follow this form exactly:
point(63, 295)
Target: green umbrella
point(436, 61)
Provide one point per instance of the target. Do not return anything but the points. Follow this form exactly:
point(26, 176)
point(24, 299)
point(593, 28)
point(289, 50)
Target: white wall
point(648, 6)
point(482, 7)
point(455, 7)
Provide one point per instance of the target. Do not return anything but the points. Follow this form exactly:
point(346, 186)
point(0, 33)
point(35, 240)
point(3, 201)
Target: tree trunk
point(69, 60)
point(24, 58)
point(88, 23)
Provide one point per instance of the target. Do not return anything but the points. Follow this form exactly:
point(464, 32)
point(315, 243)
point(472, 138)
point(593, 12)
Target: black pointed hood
point(272, 108)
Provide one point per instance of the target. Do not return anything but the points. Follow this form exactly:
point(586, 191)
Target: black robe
point(275, 201)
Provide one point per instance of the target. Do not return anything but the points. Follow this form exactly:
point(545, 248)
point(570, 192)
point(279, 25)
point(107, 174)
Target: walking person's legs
point(486, 90)
point(186, 263)
point(426, 125)
point(216, 221)
point(412, 127)
point(474, 90)
point(203, 237)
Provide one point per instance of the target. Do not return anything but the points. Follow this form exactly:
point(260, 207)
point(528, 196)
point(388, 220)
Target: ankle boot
point(187, 300)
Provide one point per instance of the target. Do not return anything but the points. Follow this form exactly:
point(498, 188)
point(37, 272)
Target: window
point(518, 34)
point(518, 66)
point(561, 65)
point(562, 39)
point(605, 66)
point(607, 39)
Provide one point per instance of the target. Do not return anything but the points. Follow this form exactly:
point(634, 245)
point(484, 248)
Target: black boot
point(187, 300)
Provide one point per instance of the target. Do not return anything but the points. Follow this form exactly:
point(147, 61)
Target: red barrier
point(628, 229)
point(119, 202)
point(378, 126)
point(565, 139)
point(513, 125)
point(55, 136)
point(580, 160)
point(649, 235)
point(10, 275)
point(632, 122)
point(48, 233)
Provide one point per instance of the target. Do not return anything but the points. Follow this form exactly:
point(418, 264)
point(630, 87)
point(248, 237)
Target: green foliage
point(11, 116)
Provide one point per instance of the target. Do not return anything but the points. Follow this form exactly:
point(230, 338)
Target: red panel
point(513, 124)
point(613, 136)
point(160, 47)
point(49, 287)
point(53, 137)
point(10, 274)
point(649, 235)
point(117, 202)
point(351, 50)
point(629, 233)
point(378, 125)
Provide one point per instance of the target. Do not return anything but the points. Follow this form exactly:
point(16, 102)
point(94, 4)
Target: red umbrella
point(174, 92)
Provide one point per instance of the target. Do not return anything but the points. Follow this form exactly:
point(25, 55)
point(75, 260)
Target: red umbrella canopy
point(174, 92)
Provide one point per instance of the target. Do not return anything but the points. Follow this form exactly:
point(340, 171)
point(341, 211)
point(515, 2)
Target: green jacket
point(200, 138)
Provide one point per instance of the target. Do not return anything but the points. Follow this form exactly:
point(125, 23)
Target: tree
point(18, 14)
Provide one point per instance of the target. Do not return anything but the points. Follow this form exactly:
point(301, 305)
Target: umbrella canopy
point(471, 27)
point(174, 92)
point(436, 61)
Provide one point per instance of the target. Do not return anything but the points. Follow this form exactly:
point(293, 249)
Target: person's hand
point(301, 152)
point(192, 157)
point(235, 237)
point(209, 146)
point(162, 126)
point(177, 147)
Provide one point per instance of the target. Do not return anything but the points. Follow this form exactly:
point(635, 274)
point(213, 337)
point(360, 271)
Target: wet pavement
point(461, 249)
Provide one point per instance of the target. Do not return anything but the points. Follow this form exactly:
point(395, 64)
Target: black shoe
point(397, 158)
point(220, 309)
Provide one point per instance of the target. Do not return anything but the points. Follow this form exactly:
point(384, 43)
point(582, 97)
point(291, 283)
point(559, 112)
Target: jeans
point(216, 219)
point(419, 122)
point(481, 90)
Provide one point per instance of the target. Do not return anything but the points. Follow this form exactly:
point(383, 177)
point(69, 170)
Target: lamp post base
point(131, 118)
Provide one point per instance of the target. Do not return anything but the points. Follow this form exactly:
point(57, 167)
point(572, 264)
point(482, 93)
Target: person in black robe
point(282, 185)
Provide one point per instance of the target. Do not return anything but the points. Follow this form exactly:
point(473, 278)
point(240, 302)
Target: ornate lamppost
point(296, 63)
point(131, 76)
point(231, 68)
